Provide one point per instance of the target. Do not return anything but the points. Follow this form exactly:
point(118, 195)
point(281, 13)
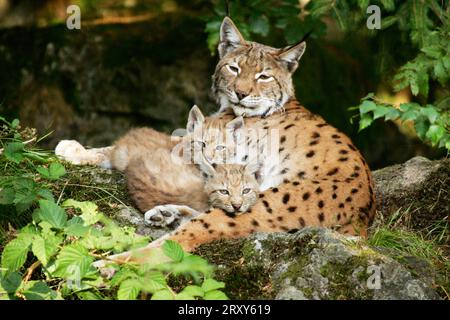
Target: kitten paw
point(162, 216)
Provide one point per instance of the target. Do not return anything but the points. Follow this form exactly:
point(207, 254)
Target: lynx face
point(251, 78)
point(231, 187)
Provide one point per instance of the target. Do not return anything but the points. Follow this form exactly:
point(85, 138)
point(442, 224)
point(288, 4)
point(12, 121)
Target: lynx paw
point(162, 216)
point(72, 151)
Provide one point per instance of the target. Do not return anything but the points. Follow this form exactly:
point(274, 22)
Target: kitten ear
point(234, 126)
point(254, 168)
point(292, 54)
point(205, 167)
point(230, 37)
point(195, 119)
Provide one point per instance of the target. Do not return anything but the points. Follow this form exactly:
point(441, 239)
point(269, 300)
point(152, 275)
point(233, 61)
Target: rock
point(419, 185)
point(314, 263)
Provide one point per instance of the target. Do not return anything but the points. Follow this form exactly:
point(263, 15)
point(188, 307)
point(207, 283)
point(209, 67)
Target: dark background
point(145, 63)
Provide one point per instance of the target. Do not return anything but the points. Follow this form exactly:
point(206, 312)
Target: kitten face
point(213, 139)
point(232, 187)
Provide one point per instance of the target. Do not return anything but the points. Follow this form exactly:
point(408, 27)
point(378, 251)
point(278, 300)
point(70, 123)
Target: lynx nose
point(236, 206)
point(241, 94)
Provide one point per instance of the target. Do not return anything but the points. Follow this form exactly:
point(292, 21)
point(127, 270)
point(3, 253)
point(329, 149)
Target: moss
point(340, 286)
point(244, 281)
point(107, 188)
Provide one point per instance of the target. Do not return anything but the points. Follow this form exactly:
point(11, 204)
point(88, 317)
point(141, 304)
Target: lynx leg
point(165, 215)
point(72, 151)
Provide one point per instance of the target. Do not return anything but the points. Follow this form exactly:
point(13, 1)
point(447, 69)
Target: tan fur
point(146, 156)
point(321, 179)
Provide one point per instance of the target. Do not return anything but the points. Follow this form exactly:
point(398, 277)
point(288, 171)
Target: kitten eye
point(234, 70)
point(223, 191)
point(220, 147)
point(200, 144)
point(246, 190)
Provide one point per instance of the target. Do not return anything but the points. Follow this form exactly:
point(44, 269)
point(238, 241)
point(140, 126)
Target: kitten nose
point(241, 94)
point(236, 206)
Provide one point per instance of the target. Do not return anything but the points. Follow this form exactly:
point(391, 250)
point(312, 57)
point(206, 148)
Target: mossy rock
point(314, 263)
point(420, 186)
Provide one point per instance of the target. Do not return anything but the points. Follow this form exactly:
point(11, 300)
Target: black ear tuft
point(292, 54)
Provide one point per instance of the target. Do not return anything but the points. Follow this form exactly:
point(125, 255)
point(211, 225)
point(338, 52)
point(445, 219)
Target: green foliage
point(430, 123)
point(52, 256)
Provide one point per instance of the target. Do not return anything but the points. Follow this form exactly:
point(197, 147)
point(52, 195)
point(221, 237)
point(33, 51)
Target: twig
point(31, 270)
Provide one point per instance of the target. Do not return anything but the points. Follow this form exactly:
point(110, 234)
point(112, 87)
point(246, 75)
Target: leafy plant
point(52, 256)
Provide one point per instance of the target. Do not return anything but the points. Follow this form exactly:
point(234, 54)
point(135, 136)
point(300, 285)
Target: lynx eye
point(264, 78)
point(223, 191)
point(233, 69)
point(246, 190)
point(220, 147)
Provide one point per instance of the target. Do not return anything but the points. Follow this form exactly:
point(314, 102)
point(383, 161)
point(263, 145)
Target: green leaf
point(421, 126)
point(432, 51)
point(367, 106)
point(392, 114)
point(89, 212)
point(89, 295)
point(38, 290)
point(10, 281)
point(435, 133)
point(129, 289)
point(44, 249)
point(53, 172)
point(380, 111)
point(366, 120)
point(15, 123)
point(76, 229)
point(7, 196)
point(386, 22)
point(440, 73)
point(15, 253)
point(409, 115)
point(14, 151)
point(184, 296)
point(73, 261)
point(211, 284)
point(162, 295)
point(194, 291)
point(173, 250)
point(215, 295)
point(431, 113)
point(56, 170)
point(52, 213)
point(389, 5)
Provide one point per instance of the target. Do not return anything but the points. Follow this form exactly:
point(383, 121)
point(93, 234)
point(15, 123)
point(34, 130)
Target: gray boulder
point(314, 263)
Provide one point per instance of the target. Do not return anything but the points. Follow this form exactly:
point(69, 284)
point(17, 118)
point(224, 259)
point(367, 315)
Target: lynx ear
point(292, 54)
point(230, 37)
point(205, 167)
point(234, 126)
point(195, 119)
